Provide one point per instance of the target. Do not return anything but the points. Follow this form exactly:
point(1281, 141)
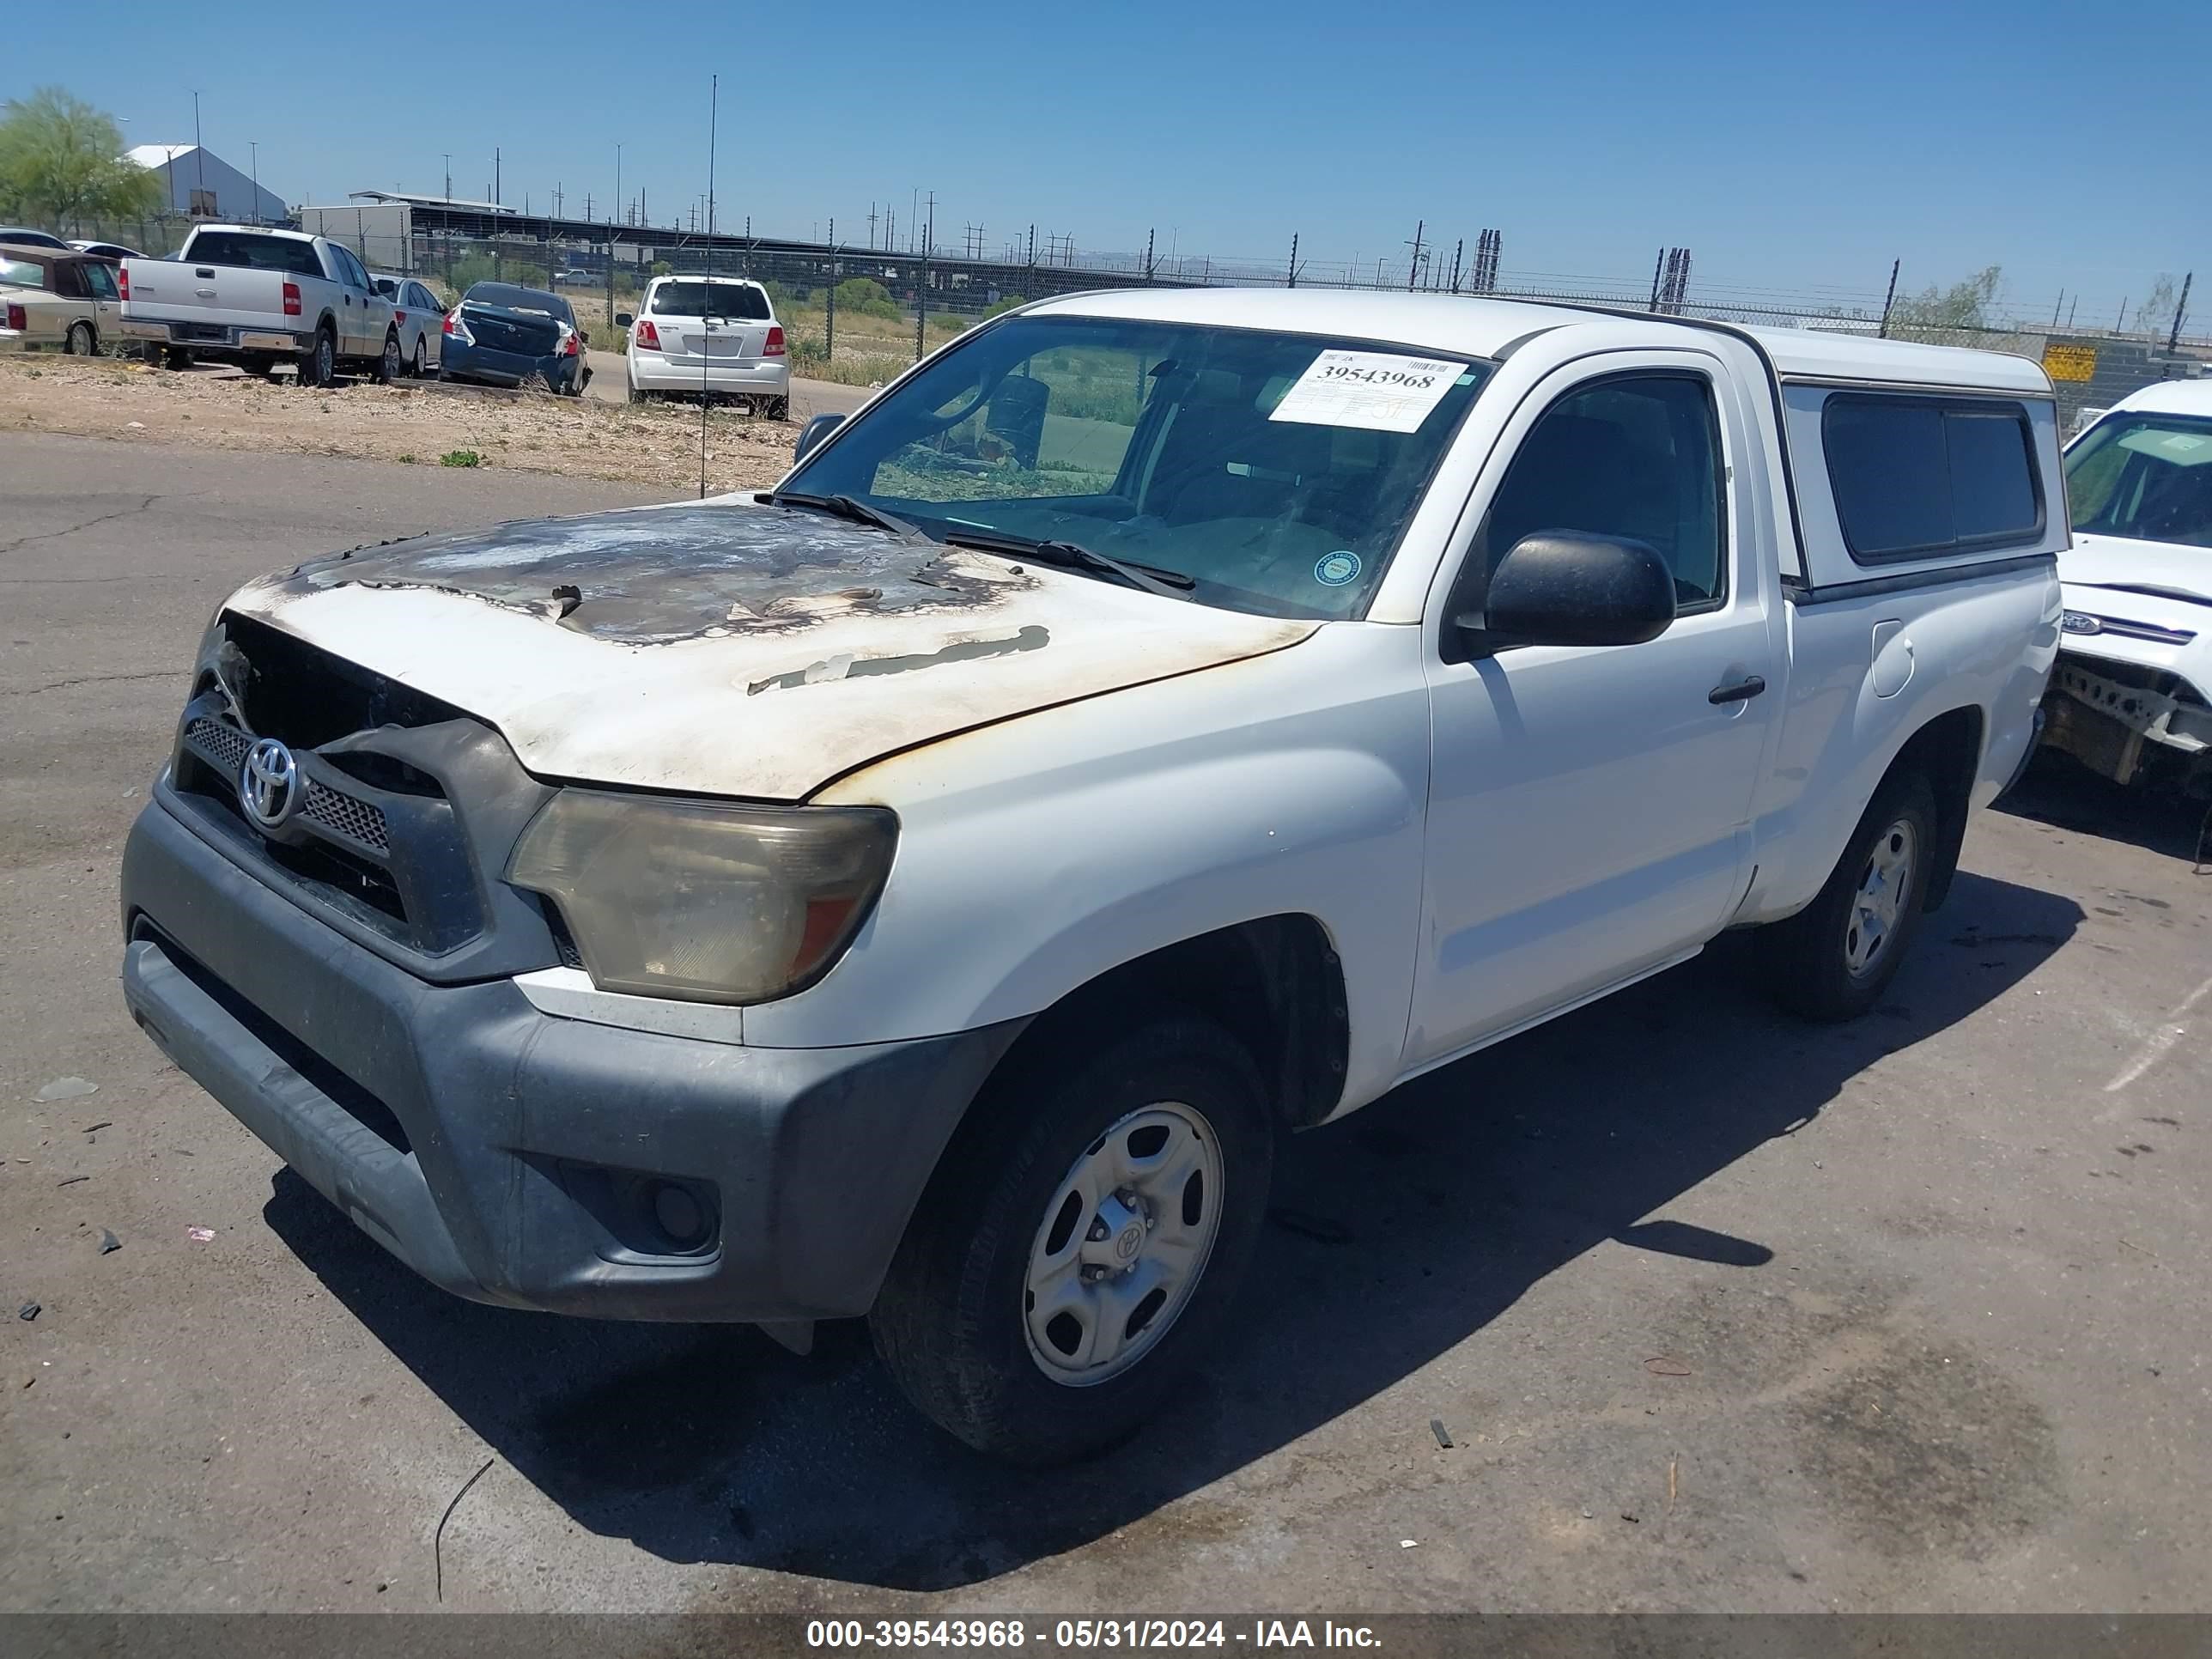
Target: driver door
point(1588, 806)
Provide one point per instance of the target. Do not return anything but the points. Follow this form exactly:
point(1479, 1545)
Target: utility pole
point(829, 301)
point(1293, 282)
point(199, 151)
point(449, 175)
point(872, 226)
point(2180, 310)
point(496, 180)
point(1148, 255)
point(1413, 265)
point(618, 149)
point(253, 146)
point(1890, 299)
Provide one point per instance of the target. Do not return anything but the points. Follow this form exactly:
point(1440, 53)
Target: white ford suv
point(1160, 722)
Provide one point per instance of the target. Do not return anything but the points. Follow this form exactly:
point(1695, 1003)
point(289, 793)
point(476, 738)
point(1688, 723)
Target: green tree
point(1963, 305)
point(2156, 312)
point(864, 296)
point(61, 159)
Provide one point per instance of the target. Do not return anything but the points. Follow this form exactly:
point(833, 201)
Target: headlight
point(704, 901)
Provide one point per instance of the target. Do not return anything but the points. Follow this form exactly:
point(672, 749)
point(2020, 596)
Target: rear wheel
point(1834, 959)
point(319, 363)
point(1081, 1241)
point(176, 357)
point(82, 341)
point(387, 361)
point(779, 409)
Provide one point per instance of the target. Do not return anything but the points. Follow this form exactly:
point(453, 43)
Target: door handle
point(1742, 691)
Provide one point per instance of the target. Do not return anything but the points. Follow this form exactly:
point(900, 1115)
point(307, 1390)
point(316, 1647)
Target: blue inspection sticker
point(1336, 569)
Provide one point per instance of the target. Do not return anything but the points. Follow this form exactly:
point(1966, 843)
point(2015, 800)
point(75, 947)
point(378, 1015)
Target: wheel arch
point(1947, 749)
point(1275, 984)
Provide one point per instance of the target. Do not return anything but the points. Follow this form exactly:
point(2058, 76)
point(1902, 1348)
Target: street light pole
point(199, 154)
point(253, 146)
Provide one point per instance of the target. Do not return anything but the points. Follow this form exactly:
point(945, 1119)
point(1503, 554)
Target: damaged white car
point(2131, 697)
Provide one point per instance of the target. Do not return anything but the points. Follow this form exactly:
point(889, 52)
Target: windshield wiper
point(1073, 555)
point(845, 507)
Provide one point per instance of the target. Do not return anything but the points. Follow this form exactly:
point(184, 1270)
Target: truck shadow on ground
point(2065, 795)
point(1397, 1234)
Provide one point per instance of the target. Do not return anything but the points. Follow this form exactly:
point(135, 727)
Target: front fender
point(1040, 854)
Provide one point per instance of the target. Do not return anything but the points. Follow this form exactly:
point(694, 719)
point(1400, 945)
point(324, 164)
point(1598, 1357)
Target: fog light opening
point(678, 1213)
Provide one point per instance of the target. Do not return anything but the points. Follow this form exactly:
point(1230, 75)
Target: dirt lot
point(652, 444)
point(1721, 1312)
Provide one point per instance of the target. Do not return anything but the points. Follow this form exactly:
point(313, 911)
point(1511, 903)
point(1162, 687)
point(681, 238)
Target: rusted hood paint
point(728, 648)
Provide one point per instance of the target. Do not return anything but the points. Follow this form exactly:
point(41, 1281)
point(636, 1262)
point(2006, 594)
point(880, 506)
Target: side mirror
point(623, 319)
point(813, 433)
point(1566, 588)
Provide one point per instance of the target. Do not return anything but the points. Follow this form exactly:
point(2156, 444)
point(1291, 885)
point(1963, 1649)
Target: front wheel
point(1834, 959)
point(1081, 1241)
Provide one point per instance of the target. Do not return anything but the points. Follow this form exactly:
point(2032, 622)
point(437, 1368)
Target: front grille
point(408, 808)
point(362, 820)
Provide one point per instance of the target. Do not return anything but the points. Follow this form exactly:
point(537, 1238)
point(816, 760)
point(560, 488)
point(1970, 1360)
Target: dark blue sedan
point(503, 335)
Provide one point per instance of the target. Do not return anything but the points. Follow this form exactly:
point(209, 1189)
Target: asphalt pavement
point(1719, 1310)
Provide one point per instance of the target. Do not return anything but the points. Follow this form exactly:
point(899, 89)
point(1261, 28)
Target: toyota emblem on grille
point(268, 783)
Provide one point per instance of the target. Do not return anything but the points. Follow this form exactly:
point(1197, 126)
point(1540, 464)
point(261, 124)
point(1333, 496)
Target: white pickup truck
point(258, 298)
point(1158, 722)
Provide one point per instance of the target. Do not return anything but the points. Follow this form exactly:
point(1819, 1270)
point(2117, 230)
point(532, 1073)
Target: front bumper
point(516, 1157)
point(765, 378)
point(2106, 722)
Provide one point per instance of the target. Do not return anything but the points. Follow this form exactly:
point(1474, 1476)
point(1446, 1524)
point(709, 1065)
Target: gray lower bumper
point(512, 1156)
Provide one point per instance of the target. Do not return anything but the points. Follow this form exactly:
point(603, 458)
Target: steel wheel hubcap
point(1884, 886)
point(1123, 1244)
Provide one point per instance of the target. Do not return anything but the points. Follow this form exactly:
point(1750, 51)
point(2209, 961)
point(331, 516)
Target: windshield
point(260, 253)
point(740, 301)
point(507, 297)
point(2144, 475)
point(1277, 472)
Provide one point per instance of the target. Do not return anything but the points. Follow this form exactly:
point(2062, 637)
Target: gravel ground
point(653, 444)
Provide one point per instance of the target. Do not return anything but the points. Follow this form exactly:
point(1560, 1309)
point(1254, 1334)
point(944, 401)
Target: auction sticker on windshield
point(1377, 390)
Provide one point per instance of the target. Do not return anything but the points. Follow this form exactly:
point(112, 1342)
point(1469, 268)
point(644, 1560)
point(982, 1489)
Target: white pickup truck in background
point(259, 299)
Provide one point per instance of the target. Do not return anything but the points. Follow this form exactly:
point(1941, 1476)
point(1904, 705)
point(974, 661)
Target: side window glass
point(102, 278)
point(1921, 476)
point(1639, 456)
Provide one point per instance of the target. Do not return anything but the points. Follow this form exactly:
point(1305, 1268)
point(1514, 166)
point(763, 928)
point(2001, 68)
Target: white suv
point(708, 336)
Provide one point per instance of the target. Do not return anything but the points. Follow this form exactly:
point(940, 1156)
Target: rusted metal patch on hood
point(668, 574)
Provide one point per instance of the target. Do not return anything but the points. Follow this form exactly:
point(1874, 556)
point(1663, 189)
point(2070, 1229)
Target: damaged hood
point(727, 649)
point(2121, 563)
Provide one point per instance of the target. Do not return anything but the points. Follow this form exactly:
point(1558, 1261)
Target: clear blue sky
point(1791, 147)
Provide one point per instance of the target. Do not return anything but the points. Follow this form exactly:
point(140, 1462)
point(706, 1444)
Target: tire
point(417, 369)
point(957, 1322)
point(636, 396)
point(155, 353)
point(260, 368)
point(779, 409)
point(176, 357)
point(83, 340)
point(319, 364)
point(1834, 959)
point(386, 371)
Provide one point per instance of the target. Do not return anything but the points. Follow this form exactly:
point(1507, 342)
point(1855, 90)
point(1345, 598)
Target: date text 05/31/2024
point(1087, 1633)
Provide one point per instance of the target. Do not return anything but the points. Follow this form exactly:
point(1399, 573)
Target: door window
point(101, 280)
point(1635, 455)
